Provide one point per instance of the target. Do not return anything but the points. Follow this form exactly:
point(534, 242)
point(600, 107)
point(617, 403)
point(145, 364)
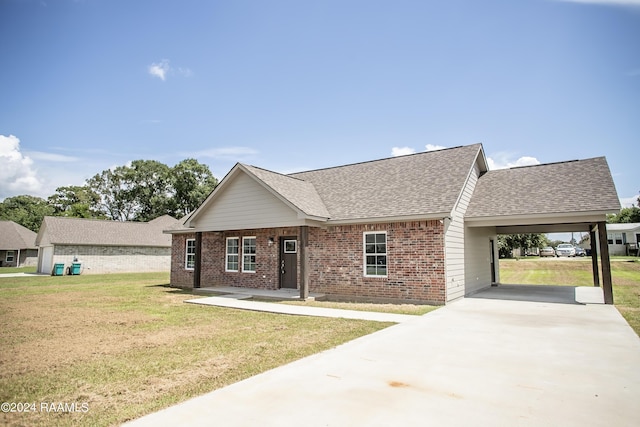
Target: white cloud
point(628, 202)
point(160, 69)
point(52, 157)
point(401, 151)
point(17, 175)
point(504, 161)
point(432, 147)
point(163, 68)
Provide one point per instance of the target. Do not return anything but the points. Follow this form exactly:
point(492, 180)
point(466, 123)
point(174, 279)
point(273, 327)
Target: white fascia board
point(536, 219)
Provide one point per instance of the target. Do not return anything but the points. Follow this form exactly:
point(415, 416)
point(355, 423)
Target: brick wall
point(415, 251)
point(415, 257)
point(114, 259)
point(213, 259)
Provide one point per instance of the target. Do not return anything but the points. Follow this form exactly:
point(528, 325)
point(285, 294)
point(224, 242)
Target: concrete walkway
point(236, 301)
point(477, 362)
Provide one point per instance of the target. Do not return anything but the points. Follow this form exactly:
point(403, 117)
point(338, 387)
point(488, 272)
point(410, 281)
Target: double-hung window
point(233, 254)
point(375, 254)
point(190, 254)
point(249, 254)
point(10, 256)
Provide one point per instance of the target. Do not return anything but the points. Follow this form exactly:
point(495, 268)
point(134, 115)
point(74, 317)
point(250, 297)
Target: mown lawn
point(122, 346)
point(625, 273)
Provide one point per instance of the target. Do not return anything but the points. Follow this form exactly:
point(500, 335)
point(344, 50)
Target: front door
point(289, 262)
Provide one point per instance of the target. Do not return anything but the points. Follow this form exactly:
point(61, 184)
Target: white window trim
point(295, 246)
point(226, 255)
point(255, 255)
point(13, 256)
point(364, 253)
point(186, 253)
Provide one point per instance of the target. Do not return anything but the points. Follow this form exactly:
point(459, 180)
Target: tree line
point(141, 191)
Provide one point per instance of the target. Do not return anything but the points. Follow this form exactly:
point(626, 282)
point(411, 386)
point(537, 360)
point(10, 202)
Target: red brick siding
point(415, 256)
point(180, 277)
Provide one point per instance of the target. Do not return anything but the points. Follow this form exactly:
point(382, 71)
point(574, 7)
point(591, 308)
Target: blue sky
point(292, 85)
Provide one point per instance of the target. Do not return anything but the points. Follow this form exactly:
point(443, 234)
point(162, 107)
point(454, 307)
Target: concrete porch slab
point(272, 294)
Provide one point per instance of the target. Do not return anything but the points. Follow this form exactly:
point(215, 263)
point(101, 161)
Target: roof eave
point(537, 218)
point(376, 220)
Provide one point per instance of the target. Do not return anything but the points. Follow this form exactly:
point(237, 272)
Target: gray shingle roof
point(14, 236)
point(418, 184)
point(566, 187)
point(80, 231)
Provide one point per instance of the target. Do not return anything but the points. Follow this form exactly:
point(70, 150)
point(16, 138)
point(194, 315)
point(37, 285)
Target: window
point(249, 254)
point(375, 254)
point(233, 253)
point(11, 256)
point(290, 246)
point(614, 238)
point(190, 254)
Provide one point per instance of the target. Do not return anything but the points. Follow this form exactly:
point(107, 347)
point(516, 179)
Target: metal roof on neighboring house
point(94, 232)
point(553, 188)
point(14, 236)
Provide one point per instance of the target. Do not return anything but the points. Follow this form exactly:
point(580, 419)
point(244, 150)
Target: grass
point(6, 270)
point(127, 345)
point(625, 273)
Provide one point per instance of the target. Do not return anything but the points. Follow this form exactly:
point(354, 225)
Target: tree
point(147, 189)
point(28, 211)
point(508, 242)
point(75, 201)
point(192, 182)
point(626, 215)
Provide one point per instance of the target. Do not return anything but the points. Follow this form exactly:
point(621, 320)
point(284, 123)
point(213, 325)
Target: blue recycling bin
point(58, 270)
point(75, 268)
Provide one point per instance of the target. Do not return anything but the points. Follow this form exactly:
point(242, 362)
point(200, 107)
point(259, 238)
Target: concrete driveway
point(477, 362)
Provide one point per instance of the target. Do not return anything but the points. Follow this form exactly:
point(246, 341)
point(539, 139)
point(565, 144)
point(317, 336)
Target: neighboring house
point(17, 245)
point(420, 227)
point(105, 246)
point(623, 239)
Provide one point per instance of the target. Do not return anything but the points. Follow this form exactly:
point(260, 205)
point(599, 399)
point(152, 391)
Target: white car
point(565, 249)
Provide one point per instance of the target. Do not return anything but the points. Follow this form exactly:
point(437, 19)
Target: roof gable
point(81, 231)
point(579, 186)
point(15, 236)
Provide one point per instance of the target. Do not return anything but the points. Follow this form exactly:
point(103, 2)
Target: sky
point(87, 85)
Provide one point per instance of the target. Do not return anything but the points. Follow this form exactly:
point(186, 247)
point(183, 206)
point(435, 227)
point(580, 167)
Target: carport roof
point(569, 189)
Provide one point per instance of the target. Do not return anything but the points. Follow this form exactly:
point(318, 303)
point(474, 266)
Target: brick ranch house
point(419, 228)
point(105, 246)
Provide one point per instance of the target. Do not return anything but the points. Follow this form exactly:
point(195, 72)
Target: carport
point(572, 196)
